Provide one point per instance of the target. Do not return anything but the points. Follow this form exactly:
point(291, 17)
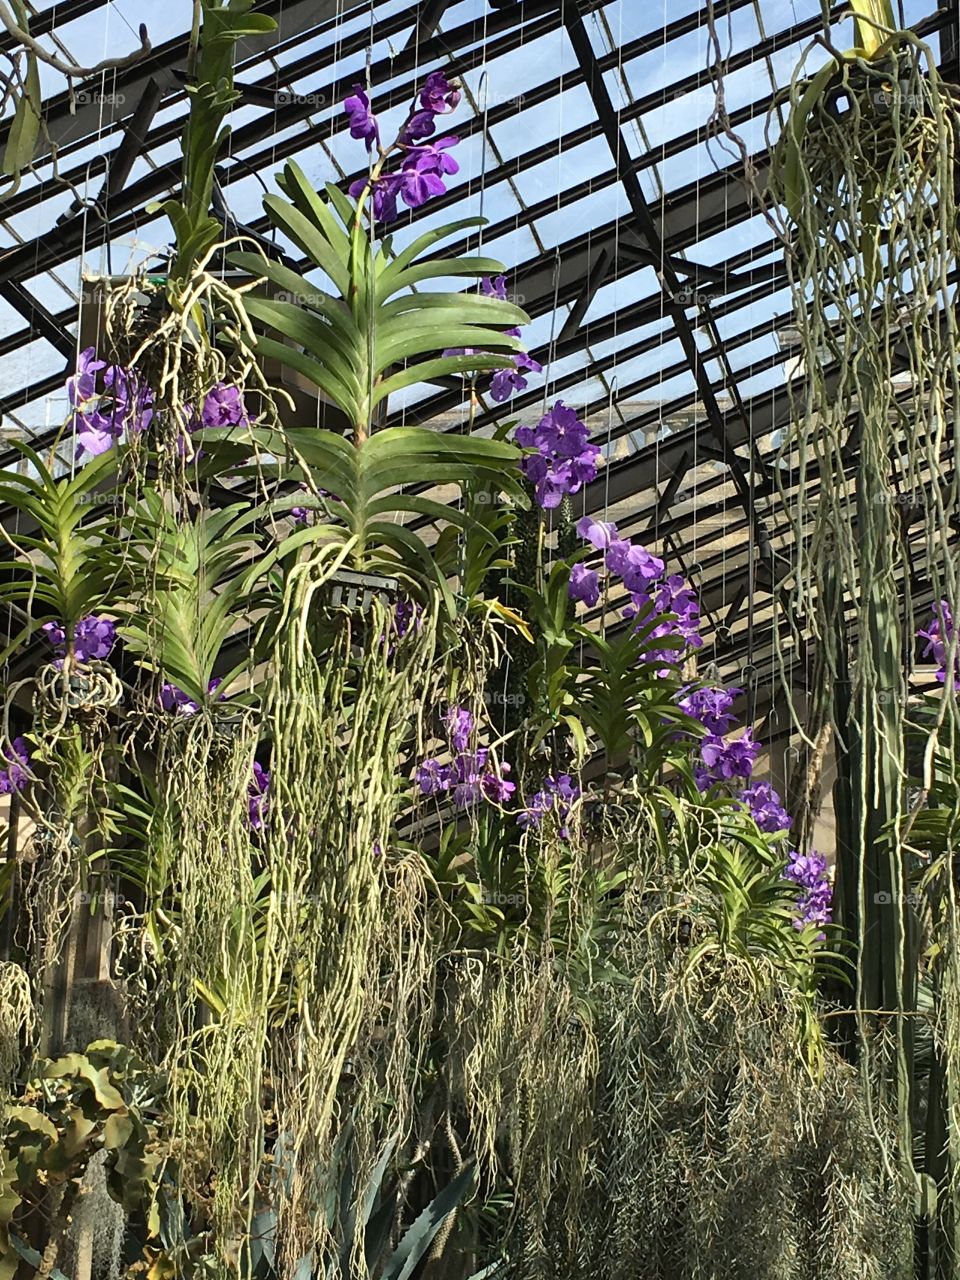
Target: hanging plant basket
point(301, 402)
point(227, 724)
point(49, 839)
point(144, 311)
point(356, 592)
point(90, 689)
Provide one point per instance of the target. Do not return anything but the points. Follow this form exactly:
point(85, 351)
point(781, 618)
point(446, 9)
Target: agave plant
point(367, 1215)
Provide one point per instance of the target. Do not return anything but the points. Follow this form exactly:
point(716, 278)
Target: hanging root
point(867, 171)
point(17, 1020)
point(717, 1152)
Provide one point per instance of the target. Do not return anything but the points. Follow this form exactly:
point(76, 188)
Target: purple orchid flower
point(82, 387)
point(726, 758)
point(363, 123)
point(94, 638)
point(596, 532)
point(496, 288)
point(763, 804)
point(712, 707)
point(223, 407)
point(565, 459)
point(438, 95)
point(258, 800)
point(17, 760)
point(584, 585)
point(460, 725)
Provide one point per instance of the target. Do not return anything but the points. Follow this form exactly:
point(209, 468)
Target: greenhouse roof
point(656, 288)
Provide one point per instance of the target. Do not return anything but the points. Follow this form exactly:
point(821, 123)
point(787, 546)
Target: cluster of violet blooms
point(93, 639)
point(105, 406)
point(175, 701)
point(505, 383)
point(108, 400)
point(556, 796)
point(423, 167)
point(651, 590)
point(468, 778)
point(423, 164)
point(728, 760)
point(564, 460)
point(724, 759)
point(939, 636)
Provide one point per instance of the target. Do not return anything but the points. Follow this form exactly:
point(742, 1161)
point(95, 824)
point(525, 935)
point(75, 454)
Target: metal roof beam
point(39, 318)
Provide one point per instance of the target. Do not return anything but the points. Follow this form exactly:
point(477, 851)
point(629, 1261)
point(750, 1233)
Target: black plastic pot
point(356, 592)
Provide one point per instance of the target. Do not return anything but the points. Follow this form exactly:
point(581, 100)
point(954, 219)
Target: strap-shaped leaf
point(435, 510)
point(410, 471)
point(438, 270)
point(319, 375)
point(333, 309)
point(387, 286)
point(25, 129)
point(323, 339)
point(343, 205)
point(304, 196)
point(332, 461)
point(421, 440)
point(401, 342)
point(475, 308)
point(871, 16)
point(442, 367)
point(288, 219)
point(412, 548)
